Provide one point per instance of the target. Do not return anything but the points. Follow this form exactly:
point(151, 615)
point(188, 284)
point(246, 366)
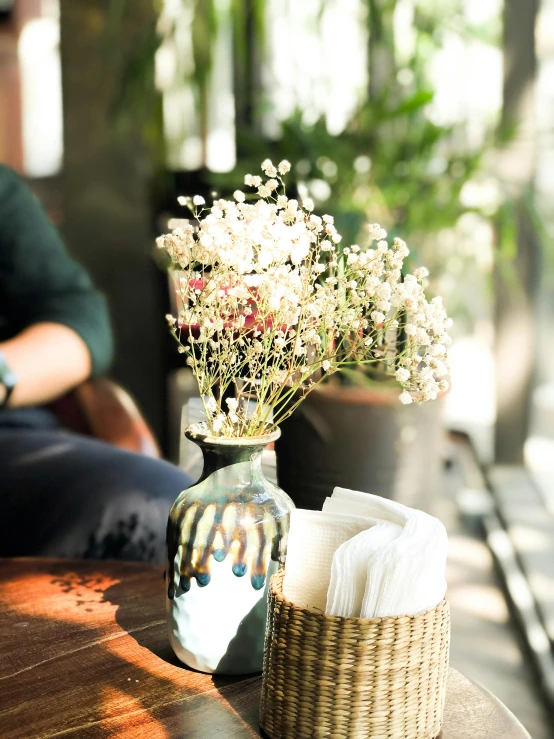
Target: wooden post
point(106, 181)
point(381, 61)
point(517, 267)
point(247, 61)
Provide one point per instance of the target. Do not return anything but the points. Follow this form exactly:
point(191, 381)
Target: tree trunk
point(247, 60)
point(381, 57)
point(107, 207)
point(517, 276)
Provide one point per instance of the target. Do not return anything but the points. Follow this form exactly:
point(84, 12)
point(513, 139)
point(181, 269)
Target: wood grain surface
point(84, 654)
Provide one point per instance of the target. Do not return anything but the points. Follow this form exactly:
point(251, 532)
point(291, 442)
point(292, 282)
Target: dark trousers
point(67, 495)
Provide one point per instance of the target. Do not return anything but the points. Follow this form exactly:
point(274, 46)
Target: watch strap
point(7, 379)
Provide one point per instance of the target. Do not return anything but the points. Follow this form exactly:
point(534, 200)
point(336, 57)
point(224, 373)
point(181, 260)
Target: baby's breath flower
point(239, 196)
point(402, 375)
point(217, 423)
point(308, 204)
point(284, 167)
point(421, 272)
point(377, 317)
point(406, 398)
point(198, 200)
point(376, 233)
point(268, 168)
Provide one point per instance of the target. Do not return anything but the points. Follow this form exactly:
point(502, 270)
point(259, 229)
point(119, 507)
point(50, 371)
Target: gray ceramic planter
point(363, 440)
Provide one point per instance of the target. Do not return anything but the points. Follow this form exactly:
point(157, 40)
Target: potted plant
point(270, 306)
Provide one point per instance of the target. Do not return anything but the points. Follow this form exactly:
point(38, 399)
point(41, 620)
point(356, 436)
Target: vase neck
point(225, 452)
point(217, 457)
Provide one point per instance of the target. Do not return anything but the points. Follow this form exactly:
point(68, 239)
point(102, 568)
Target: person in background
point(63, 494)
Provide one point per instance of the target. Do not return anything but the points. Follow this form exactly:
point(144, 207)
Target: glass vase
point(226, 536)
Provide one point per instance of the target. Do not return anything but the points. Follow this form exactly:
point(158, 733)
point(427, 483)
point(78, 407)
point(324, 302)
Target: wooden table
point(84, 655)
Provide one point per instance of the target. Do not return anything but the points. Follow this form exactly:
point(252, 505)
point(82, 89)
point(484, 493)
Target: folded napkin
point(405, 574)
point(314, 537)
point(365, 556)
point(350, 566)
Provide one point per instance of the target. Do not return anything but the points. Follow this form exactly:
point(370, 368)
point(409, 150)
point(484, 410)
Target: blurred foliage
point(392, 164)
point(136, 70)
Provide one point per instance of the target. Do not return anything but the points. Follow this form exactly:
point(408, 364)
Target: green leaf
point(419, 100)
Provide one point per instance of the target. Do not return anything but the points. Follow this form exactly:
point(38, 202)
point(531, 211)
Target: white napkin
point(349, 571)
point(365, 556)
point(405, 561)
point(314, 537)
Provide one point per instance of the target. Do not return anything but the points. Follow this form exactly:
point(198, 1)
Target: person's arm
point(58, 323)
point(47, 359)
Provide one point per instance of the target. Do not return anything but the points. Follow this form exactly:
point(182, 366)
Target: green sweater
point(39, 281)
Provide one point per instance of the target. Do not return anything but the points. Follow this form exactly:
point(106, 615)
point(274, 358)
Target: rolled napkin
point(314, 537)
point(365, 556)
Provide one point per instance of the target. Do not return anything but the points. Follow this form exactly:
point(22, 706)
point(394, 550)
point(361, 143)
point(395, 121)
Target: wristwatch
point(7, 381)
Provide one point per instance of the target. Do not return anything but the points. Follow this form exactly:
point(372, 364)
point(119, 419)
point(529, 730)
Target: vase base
point(219, 629)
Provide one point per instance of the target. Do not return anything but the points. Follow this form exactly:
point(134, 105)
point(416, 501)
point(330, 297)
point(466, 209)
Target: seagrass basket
point(352, 678)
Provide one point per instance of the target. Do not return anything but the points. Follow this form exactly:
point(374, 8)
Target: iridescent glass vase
point(226, 536)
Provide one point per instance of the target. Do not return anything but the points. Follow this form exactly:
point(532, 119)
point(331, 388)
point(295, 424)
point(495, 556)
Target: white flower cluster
point(270, 298)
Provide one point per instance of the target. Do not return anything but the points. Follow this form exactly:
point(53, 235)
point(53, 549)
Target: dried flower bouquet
point(272, 304)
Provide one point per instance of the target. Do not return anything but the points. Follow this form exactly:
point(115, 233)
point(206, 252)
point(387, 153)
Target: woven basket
point(352, 678)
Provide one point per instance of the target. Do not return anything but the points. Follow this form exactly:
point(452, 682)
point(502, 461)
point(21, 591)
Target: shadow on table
point(131, 606)
point(153, 635)
point(243, 700)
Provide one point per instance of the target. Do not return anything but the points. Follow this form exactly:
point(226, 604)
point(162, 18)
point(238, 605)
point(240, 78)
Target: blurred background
point(432, 117)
